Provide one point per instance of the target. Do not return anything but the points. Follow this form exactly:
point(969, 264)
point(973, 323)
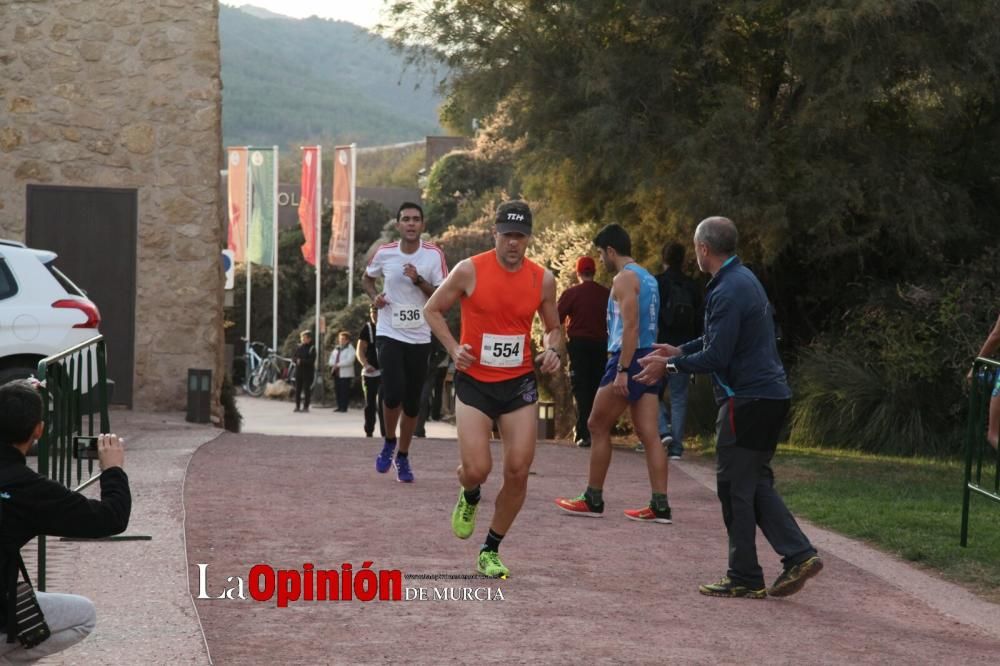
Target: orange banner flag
point(237, 203)
point(338, 254)
point(308, 204)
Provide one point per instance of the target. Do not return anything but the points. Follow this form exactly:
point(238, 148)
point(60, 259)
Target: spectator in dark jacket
point(305, 369)
point(31, 505)
point(371, 373)
point(680, 322)
point(739, 350)
point(583, 307)
point(431, 396)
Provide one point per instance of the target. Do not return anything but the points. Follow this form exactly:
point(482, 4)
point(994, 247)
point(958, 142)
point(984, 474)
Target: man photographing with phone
point(31, 505)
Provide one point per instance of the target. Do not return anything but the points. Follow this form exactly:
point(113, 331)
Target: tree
point(845, 138)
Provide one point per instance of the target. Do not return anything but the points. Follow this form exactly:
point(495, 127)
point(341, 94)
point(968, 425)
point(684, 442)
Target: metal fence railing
point(981, 459)
point(75, 394)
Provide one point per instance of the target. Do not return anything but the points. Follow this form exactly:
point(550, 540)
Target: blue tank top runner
point(649, 310)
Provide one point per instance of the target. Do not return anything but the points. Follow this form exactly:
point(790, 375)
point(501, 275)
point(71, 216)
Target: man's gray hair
point(719, 234)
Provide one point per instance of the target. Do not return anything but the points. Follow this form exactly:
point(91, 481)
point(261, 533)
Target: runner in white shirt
point(410, 270)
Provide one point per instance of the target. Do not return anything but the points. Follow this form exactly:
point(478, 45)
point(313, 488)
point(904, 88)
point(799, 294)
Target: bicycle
point(253, 361)
point(263, 370)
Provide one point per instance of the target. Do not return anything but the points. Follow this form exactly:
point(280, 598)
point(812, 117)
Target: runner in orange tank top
point(497, 317)
point(500, 292)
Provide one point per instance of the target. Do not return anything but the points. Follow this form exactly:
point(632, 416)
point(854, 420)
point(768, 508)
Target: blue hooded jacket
point(738, 346)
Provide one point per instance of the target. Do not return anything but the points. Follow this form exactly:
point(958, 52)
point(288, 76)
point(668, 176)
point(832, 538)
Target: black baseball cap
point(514, 217)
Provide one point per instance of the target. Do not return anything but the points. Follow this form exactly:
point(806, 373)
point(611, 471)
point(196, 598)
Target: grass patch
point(910, 507)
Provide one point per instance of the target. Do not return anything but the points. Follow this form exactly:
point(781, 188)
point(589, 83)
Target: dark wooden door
point(93, 230)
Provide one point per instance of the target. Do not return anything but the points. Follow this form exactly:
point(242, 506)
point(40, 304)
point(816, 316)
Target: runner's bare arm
point(992, 340)
point(549, 359)
point(410, 271)
point(460, 282)
point(361, 353)
point(368, 284)
point(625, 289)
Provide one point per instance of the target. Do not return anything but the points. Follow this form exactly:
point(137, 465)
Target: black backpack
point(678, 313)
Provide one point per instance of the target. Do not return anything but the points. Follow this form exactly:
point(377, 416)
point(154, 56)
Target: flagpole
point(318, 238)
point(274, 256)
point(247, 205)
point(350, 253)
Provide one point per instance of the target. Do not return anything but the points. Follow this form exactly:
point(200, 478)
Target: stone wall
point(127, 93)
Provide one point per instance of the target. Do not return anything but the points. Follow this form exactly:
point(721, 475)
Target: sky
point(360, 12)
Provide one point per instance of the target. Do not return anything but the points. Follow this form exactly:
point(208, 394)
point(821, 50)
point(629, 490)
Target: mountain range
point(316, 80)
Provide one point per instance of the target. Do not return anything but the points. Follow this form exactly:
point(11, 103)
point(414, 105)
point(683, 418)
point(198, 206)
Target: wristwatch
point(419, 281)
point(622, 368)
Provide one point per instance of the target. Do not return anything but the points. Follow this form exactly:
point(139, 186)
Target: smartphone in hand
point(85, 447)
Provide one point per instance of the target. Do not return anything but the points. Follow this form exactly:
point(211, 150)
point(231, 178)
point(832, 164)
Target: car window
point(66, 283)
point(8, 286)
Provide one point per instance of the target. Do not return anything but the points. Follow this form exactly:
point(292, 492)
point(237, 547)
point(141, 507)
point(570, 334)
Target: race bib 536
point(407, 316)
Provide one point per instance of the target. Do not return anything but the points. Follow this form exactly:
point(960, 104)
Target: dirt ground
point(581, 590)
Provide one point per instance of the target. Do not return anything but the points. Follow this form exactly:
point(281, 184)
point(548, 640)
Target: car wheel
point(10, 374)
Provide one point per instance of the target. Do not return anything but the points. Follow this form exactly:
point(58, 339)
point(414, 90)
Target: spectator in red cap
point(585, 305)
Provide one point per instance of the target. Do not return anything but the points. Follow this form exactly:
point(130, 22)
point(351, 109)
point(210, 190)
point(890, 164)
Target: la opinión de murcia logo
point(265, 583)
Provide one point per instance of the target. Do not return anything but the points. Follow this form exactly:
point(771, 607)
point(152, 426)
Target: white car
point(42, 313)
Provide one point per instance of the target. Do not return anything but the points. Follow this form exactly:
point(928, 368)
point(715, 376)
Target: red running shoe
point(579, 506)
point(647, 515)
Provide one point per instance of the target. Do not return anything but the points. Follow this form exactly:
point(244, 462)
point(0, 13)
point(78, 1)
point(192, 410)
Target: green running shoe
point(463, 518)
point(727, 588)
point(794, 577)
point(490, 565)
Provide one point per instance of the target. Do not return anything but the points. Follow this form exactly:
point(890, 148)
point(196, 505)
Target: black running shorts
point(496, 398)
point(404, 369)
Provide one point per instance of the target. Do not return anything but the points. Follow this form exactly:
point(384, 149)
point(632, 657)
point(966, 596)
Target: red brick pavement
point(582, 590)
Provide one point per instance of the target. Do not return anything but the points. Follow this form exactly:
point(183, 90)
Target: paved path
point(600, 591)
point(582, 590)
point(145, 614)
point(275, 417)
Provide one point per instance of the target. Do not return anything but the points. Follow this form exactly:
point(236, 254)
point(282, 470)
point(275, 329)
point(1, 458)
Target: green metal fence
point(981, 459)
point(75, 394)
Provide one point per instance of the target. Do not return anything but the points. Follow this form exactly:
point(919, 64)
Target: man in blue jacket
point(738, 349)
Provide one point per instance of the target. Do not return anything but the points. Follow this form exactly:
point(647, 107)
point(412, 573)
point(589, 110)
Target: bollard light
point(199, 396)
point(546, 420)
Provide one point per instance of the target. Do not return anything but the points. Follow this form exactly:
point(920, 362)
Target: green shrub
point(457, 178)
point(843, 403)
point(232, 420)
point(891, 379)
